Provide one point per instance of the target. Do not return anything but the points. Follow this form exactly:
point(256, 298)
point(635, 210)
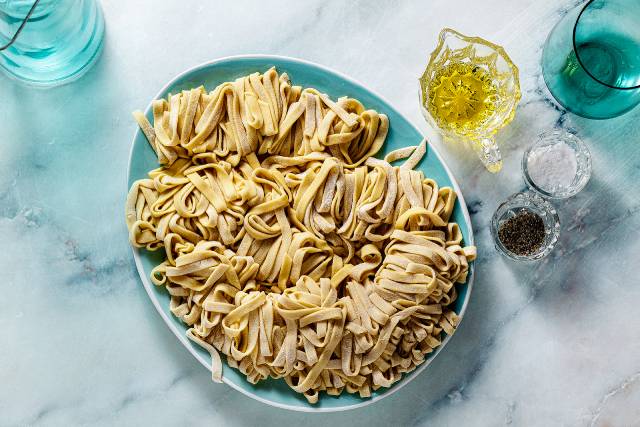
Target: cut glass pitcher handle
point(489, 154)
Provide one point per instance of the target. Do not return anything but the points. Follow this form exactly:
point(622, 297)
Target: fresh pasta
point(289, 248)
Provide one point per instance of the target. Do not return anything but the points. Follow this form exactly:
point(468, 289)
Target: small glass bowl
point(531, 202)
point(583, 160)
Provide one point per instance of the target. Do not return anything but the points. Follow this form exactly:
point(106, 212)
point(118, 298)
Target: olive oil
point(462, 97)
point(469, 91)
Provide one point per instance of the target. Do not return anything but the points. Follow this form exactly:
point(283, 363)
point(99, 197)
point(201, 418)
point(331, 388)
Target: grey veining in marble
point(545, 344)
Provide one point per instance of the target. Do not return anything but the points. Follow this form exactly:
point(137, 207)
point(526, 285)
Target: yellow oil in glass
point(462, 97)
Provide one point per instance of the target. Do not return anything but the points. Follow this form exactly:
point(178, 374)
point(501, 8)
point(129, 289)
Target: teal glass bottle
point(59, 42)
point(591, 59)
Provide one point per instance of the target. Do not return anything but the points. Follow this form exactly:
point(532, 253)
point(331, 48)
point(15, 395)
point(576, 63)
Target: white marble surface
point(552, 343)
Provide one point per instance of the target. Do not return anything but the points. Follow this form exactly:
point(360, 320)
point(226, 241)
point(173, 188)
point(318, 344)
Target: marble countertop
point(551, 343)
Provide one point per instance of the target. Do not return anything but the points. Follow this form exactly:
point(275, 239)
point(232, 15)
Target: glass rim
point(575, 49)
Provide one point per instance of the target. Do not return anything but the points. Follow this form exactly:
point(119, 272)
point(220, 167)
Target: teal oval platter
point(402, 133)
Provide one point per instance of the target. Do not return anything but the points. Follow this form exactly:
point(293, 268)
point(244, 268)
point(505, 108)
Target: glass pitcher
point(469, 91)
point(59, 41)
point(591, 59)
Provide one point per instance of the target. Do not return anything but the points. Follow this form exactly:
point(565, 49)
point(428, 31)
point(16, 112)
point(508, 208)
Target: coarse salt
point(553, 167)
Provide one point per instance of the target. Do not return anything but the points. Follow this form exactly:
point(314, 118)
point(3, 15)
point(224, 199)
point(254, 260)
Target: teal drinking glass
point(59, 41)
point(591, 59)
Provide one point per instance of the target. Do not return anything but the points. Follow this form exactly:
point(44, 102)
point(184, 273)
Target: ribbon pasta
point(289, 248)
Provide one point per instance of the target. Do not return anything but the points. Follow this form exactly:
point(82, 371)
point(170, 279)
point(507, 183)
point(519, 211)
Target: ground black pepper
point(522, 234)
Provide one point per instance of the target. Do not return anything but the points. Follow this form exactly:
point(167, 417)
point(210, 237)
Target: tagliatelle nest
point(289, 248)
